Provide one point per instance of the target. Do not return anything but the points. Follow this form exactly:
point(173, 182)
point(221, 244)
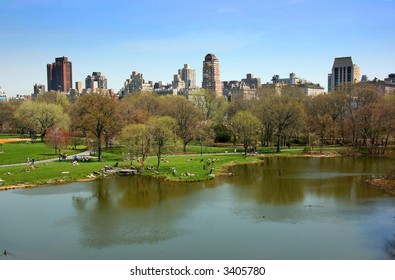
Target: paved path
point(80, 155)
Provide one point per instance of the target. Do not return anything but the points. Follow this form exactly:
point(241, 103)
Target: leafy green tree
point(40, 116)
point(162, 130)
point(137, 139)
point(211, 106)
point(95, 113)
point(246, 127)
point(54, 97)
point(186, 115)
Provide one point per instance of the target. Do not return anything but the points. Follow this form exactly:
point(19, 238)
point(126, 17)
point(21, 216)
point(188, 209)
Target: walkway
point(80, 155)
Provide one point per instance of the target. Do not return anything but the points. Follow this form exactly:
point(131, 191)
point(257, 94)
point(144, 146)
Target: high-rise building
point(101, 81)
point(188, 75)
point(211, 79)
point(78, 86)
point(344, 73)
point(59, 75)
point(38, 89)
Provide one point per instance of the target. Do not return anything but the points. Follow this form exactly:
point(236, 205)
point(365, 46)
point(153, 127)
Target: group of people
point(31, 162)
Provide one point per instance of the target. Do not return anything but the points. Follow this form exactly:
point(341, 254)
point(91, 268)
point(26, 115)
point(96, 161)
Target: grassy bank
point(18, 152)
point(185, 168)
point(188, 167)
point(48, 173)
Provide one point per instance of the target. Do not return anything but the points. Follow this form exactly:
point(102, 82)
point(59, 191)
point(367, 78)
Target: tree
point(263, 111)
point(208, 103)
point(246, 127)
point(319, 117)
point(186, 115)
point(38, 117)
point(95, 113)
point(137, 139)
point(357, 97)
point(6, 115)
point(56, 138)
point(54, 97)
point(286, 113)
point(162, 130)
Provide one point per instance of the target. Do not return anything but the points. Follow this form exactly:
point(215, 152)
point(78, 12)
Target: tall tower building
point(211, 79)
point(344, 72)
point(59, 75)
point(188, 75)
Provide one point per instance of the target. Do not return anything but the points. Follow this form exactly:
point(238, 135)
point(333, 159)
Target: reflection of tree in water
point(131, 210)
point(101, 194)
point(390, 248)
point(143, 192)
point(288, 180)
point(268, 183)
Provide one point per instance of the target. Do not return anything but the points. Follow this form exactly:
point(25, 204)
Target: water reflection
point(281, 209)
point(390, 248)
point(285, 181)
point(131, 210)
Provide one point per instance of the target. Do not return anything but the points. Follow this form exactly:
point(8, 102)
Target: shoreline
point(387, 186)
point(382, 184)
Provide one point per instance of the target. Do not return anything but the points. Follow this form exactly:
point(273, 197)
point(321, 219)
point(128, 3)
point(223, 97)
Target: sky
point(156, 38)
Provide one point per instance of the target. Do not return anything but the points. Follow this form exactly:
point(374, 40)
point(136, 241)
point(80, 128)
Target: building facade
point(96, 81)
point(252, 82)
point(78, 86)
point(59, 75)
point(38, 89)
point(344, 72)
point(292, 80)
point(244, 89)
point(3, 95)
point(211, 74)
point(188, 75)
point(137, 83)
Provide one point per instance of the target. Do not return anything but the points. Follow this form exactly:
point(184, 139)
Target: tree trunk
point(159, 155)
point(99, 148)
point(278, 142)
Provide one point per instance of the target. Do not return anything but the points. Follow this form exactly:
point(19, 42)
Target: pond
point(284, 208)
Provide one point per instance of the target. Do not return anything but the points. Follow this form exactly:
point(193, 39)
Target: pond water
point(284, 208)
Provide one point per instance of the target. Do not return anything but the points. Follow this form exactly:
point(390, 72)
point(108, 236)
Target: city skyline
point(157, 37)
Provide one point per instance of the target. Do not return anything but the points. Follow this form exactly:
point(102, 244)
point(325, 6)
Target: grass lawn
point(7, 136)
point(49, 173)
point(173, 167)
point(18, 152)
point(176, 168)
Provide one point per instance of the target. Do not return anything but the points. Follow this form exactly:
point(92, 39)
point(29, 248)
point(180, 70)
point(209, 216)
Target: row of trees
point(145, 122)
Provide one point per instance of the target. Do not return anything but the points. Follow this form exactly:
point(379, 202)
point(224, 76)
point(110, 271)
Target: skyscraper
point(211, 79)
point(188, 75)
point(59, 75)
point(344, 72)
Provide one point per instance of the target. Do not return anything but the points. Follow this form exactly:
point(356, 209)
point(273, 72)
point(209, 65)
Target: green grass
point(49, 173)
point(18, 152)
point(7, 136)
point(175, 168)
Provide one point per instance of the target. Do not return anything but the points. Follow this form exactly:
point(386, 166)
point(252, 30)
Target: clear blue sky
point(157, 37)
